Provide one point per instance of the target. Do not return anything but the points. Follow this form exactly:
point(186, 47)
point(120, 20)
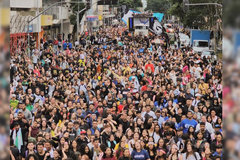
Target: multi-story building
point(21, 12)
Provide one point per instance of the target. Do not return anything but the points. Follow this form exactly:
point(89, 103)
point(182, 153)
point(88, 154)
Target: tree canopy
point(203, 17)
point(161, 6)
point(131, 3)
point(73, 17)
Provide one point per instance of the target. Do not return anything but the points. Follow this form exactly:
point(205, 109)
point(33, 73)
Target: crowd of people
point(123, 97)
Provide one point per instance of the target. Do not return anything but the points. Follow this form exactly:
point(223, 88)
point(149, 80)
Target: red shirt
point(144, 88)
point(149, 65)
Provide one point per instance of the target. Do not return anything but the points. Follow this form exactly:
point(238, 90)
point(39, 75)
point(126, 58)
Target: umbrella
point(157, 41)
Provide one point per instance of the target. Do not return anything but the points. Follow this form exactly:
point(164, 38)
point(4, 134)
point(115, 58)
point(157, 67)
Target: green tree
point(198, 16)
point(161, 6)
point(73, 17)
point(131, 3)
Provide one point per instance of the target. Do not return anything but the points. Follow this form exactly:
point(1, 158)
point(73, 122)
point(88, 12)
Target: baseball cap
point(83, 132)
point(217, 126)
point(180, 129)
point(14, 95)
point(20, 111)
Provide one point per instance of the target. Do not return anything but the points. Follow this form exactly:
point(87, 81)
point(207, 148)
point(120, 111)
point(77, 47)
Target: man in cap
point(13, 101)
point(82, 139)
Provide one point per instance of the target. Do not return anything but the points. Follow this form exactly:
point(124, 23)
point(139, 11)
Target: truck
point(141, 29)
point(200, 40)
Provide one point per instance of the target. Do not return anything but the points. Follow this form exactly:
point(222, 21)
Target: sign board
point(30, 28)
point(46, 20)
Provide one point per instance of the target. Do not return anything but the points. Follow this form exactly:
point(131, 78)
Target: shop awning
point(56, 21)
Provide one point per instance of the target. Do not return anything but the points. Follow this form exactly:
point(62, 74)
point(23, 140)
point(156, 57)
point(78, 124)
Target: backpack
point(26, 152)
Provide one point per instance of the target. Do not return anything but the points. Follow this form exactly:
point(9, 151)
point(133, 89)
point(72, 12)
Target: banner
point(46, 20)
point(129, 14)
point(155, 26)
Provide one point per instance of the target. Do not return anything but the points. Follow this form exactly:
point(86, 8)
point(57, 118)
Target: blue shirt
point(64, 45)
point(186, 123)
point(141, 50)
point(142, 155)
point(70, 45)
point(105, 47)
point(216, 154)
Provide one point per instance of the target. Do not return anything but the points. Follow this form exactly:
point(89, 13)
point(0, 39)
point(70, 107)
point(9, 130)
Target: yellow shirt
point(117, 145)
point(203, 87)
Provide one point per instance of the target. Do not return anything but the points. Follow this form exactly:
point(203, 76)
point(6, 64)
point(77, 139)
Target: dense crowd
point(118, 97)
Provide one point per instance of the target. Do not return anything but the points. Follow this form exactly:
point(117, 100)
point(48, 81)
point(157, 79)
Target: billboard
point(46, 20)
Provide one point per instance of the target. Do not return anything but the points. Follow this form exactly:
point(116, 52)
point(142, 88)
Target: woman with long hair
point(161, 144)
point(190, 153)
point(75, 148)
point(123, 140)
point(156, 134)
point(145, 134)
point(85, 150)
point(44, 127)
point(151, 130)
point(61, 143)
point(119, 151)
point(58, 155)
point(97, 135)
point(151, 150)
point(108, 155)
point(129, 134)
point(138, 153)
point(135, 139)
point(68, 151)
point(191, 133)
point(174, 153)
point(126, 155)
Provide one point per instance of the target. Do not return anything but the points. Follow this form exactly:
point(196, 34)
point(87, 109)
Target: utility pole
point(38, 40)
point(61, 25)
point(78, 23)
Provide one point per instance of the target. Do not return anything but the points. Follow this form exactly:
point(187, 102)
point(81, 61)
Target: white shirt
point(208, 127)
point(151, 113)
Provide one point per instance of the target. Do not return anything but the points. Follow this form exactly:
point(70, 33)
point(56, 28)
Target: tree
point(131, 3)
point(198, 16)
point(73, 17)
point(161, 6)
